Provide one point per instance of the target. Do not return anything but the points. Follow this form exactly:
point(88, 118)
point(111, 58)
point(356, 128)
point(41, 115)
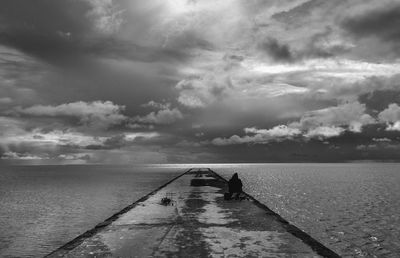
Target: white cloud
point(272, 68)
point(321, 124)
point(22, 140)
point(161, 117)
point(203, 91)
point(97, 114)
point(53, 138)
point(394, 127)
point(234, 139)
point(329, 75)
point(18, 142)
point(157, 105)
point(350, 115)
point(145, 135)
point(75, 156)
point(324, 132)
point(391, 116)
point(277, 133)
point(22, 156)
point(18, 137)
point(381, 139)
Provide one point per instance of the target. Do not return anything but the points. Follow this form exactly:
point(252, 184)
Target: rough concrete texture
point(197, 223)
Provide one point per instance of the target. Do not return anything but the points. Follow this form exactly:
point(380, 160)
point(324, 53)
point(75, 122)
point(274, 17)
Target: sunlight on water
point(351, 208)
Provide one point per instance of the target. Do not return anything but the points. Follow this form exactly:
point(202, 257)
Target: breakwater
point(195, 222)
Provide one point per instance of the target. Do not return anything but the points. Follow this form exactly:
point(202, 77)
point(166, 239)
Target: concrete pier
point(197, 223)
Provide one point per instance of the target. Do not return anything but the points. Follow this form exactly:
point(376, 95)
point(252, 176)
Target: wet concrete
point(197, 223)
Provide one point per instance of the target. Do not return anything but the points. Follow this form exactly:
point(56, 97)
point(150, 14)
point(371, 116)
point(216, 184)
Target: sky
point(210, 81)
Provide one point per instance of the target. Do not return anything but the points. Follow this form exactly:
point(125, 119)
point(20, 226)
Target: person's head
point(235, 176)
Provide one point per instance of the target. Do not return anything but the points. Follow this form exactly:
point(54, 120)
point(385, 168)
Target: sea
point(353, 208)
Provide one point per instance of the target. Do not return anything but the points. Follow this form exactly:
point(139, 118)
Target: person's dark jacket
point(235, 184)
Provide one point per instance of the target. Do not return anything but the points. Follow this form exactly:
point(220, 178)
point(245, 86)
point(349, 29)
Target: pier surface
point(197, 223)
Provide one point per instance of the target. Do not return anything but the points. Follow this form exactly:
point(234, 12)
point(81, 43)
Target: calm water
point(352, 208)
point(43, 207)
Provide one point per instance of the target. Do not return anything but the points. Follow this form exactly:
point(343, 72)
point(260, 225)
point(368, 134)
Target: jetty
point(189, 217)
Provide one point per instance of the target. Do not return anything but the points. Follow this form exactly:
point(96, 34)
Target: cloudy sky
point(171, 81)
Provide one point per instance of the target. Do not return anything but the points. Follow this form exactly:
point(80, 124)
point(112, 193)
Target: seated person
point(235, 187)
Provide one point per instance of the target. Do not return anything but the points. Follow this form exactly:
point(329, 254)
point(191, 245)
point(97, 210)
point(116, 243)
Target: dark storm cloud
point(276, 50)
point(314, 48)
point(380, 99)
point(96, 114)
point(382, 23)
point(114, 142)
point(375, 32)
point(44, 27)
point(45, 17)
point(72, 59)
point(60, 31)
point(288, 151)
point(17, 76)
point(12, 65)
point(160, 80)
point(124, 49)
point(56, 54)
